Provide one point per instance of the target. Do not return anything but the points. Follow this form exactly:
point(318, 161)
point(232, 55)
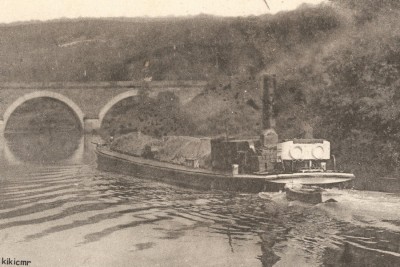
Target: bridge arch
point(47, 94)
point(114, 101)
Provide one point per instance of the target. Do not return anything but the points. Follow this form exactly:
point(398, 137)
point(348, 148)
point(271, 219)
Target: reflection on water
point(49, 147)
point(70, 214)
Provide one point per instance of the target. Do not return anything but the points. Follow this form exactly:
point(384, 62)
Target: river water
point(57, 209)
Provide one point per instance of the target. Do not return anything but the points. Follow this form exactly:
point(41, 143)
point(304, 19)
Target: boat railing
point(311, 170)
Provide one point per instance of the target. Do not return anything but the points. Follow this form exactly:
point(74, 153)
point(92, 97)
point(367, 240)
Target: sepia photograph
point(226, 133)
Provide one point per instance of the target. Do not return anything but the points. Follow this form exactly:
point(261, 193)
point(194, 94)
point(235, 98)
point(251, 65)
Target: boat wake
point(363, 208)
point(357, 230)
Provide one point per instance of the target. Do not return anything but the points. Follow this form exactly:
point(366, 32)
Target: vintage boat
point(246, 165)
point(191, 177)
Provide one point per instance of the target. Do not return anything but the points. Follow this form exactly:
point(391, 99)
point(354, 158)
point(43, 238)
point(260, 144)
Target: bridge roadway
point(90, 100)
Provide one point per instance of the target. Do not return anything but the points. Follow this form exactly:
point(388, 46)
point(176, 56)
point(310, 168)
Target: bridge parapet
point(106, 84)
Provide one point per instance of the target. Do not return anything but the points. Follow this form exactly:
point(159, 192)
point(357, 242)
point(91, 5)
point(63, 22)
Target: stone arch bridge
point(90, 101)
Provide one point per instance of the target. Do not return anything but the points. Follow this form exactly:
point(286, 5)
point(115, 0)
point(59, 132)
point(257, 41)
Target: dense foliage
point(152, 116)
point(356, 101)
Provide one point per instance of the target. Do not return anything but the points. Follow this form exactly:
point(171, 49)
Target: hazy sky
point(22, 10)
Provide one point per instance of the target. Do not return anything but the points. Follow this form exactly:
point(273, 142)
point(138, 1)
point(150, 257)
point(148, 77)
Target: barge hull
point(195, 180)
point(203, 179)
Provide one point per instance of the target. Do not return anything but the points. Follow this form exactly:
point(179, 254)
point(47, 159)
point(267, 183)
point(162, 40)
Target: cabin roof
point(305, 141)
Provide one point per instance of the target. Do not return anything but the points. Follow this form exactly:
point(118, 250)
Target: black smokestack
point(268, 85)
point(268, 136)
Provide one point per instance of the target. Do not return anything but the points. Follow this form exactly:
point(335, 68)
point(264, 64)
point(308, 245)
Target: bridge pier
point(90, 125)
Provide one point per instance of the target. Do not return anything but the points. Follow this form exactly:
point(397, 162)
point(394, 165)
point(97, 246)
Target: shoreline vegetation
point(337, 68)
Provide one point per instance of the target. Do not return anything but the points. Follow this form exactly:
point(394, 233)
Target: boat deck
point(156, 163)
